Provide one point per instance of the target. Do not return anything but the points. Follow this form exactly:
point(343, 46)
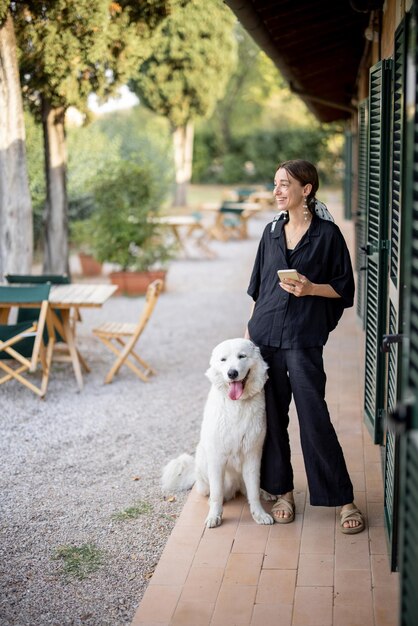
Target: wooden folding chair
point(61, 351)
point(23, 343)
point(121, 338)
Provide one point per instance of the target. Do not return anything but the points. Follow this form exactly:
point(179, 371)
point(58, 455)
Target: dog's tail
point(179, 474)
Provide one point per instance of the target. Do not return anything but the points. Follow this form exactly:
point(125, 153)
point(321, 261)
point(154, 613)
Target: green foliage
point(249, 88)
point(126, 197)
point(143, 138)
point(35, 163)
point(136, 136)
point(253, 157)
point(257, 124)
point(189, 62)
point(79, 561)
point(61, 47)
point(70, 49)
point(4, 6)
point(89, 151)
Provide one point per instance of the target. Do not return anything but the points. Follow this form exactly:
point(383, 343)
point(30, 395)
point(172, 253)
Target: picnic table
point(231, 218)
point(71, 298)
point(67, 300)
point(187, 229)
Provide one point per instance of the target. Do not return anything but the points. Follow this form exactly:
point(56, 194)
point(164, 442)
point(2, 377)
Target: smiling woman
point(290, 322)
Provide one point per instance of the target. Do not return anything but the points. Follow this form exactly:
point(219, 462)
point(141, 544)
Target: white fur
point(228, 455)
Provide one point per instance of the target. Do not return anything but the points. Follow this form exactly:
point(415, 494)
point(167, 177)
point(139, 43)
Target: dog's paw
point(213, 521)
point(268, 497)
point(262, 518)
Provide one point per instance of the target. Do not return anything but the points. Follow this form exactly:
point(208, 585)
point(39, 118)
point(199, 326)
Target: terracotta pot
point(89, 265)
point(135, 283)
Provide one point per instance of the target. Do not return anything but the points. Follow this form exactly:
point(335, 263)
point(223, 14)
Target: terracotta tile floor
point(303, 574)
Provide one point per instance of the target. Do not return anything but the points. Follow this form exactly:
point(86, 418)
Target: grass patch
point(132, 512)
point(79, 561)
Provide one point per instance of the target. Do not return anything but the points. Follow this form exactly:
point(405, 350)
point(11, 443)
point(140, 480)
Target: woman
point(290, 322)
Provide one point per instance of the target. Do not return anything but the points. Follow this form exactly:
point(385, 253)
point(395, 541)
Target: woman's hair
point(306, 173)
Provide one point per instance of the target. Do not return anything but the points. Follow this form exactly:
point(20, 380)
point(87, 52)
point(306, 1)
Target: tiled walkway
point(302, 574)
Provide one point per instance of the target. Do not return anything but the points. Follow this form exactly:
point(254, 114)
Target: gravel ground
point(74, 460)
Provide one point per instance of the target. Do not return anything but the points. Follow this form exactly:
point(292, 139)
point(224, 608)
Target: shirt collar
point(313, 231)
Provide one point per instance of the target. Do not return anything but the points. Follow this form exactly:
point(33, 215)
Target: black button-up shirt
point(282, 320)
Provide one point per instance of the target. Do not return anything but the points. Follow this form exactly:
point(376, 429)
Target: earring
point(305, 209)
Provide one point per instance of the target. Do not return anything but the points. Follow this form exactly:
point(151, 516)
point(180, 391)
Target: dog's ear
point(257, 351)
point(261, 365)
point(212, 374)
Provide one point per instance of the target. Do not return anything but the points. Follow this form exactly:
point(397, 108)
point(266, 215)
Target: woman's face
point(288, 191)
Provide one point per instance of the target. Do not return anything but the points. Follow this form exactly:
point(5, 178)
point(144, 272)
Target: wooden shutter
point(348, 173)
point(360, 223)
point(408, 499)
point(377, 244)
point(395, 321)
point(409, 531)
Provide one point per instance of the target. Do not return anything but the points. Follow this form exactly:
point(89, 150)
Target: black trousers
point(301, 372)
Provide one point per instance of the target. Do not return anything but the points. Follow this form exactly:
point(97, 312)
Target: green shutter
point(360, 223)
point(391, 440)
point(348, 173)
point(377, 244)
point(391, 451)
point(409, 531)
point(391, 495)
point(408, 500)
point(397, 147)
point(410, 219)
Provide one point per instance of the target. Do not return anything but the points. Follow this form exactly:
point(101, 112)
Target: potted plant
point(81, 234)
point(124, 231)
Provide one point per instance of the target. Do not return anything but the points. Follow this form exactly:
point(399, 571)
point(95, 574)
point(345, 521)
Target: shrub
point(262, 149)
point(126, 199)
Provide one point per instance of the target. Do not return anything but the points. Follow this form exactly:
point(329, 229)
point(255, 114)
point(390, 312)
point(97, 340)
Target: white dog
point(228, 455)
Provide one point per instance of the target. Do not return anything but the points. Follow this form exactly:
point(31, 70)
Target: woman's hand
point(304, 287)
point(298, 288)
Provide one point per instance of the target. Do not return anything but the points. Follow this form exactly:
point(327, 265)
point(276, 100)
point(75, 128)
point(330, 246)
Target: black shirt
point(282, 320)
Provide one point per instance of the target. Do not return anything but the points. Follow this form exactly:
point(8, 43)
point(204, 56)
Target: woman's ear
point(307, 189)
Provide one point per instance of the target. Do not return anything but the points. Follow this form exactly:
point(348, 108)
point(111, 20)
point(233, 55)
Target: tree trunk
point(56, 205)
point(183, 159)
point(16, 230)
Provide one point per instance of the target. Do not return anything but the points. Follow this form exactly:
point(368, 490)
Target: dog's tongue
point(235, 389)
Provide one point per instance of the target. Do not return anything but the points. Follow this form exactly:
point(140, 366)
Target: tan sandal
point(287, 506)
point(352, 514)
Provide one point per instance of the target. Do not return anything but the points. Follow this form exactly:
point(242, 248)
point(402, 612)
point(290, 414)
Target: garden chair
point(121, 338)
point(229, 222)
point(54, 279)
point(26, 314)
point(24, 343)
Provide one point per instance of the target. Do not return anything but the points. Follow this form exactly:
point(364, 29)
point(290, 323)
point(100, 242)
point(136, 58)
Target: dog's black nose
point(232, 374)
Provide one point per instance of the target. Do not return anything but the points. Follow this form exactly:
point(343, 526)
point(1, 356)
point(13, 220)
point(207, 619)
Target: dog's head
point(237, 367)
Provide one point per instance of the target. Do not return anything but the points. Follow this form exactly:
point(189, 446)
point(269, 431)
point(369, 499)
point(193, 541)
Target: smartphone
point(282, 274)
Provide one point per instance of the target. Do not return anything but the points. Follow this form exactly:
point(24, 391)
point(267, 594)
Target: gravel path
point(73, 461)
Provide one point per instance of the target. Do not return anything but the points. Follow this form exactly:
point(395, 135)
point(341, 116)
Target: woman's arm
point(246, 333)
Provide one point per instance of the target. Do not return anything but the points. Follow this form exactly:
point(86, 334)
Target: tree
point(185, 73)
point(16, 242)
point(68, 50)
point(248, 89)
point(256, 97)
point(257, 120)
